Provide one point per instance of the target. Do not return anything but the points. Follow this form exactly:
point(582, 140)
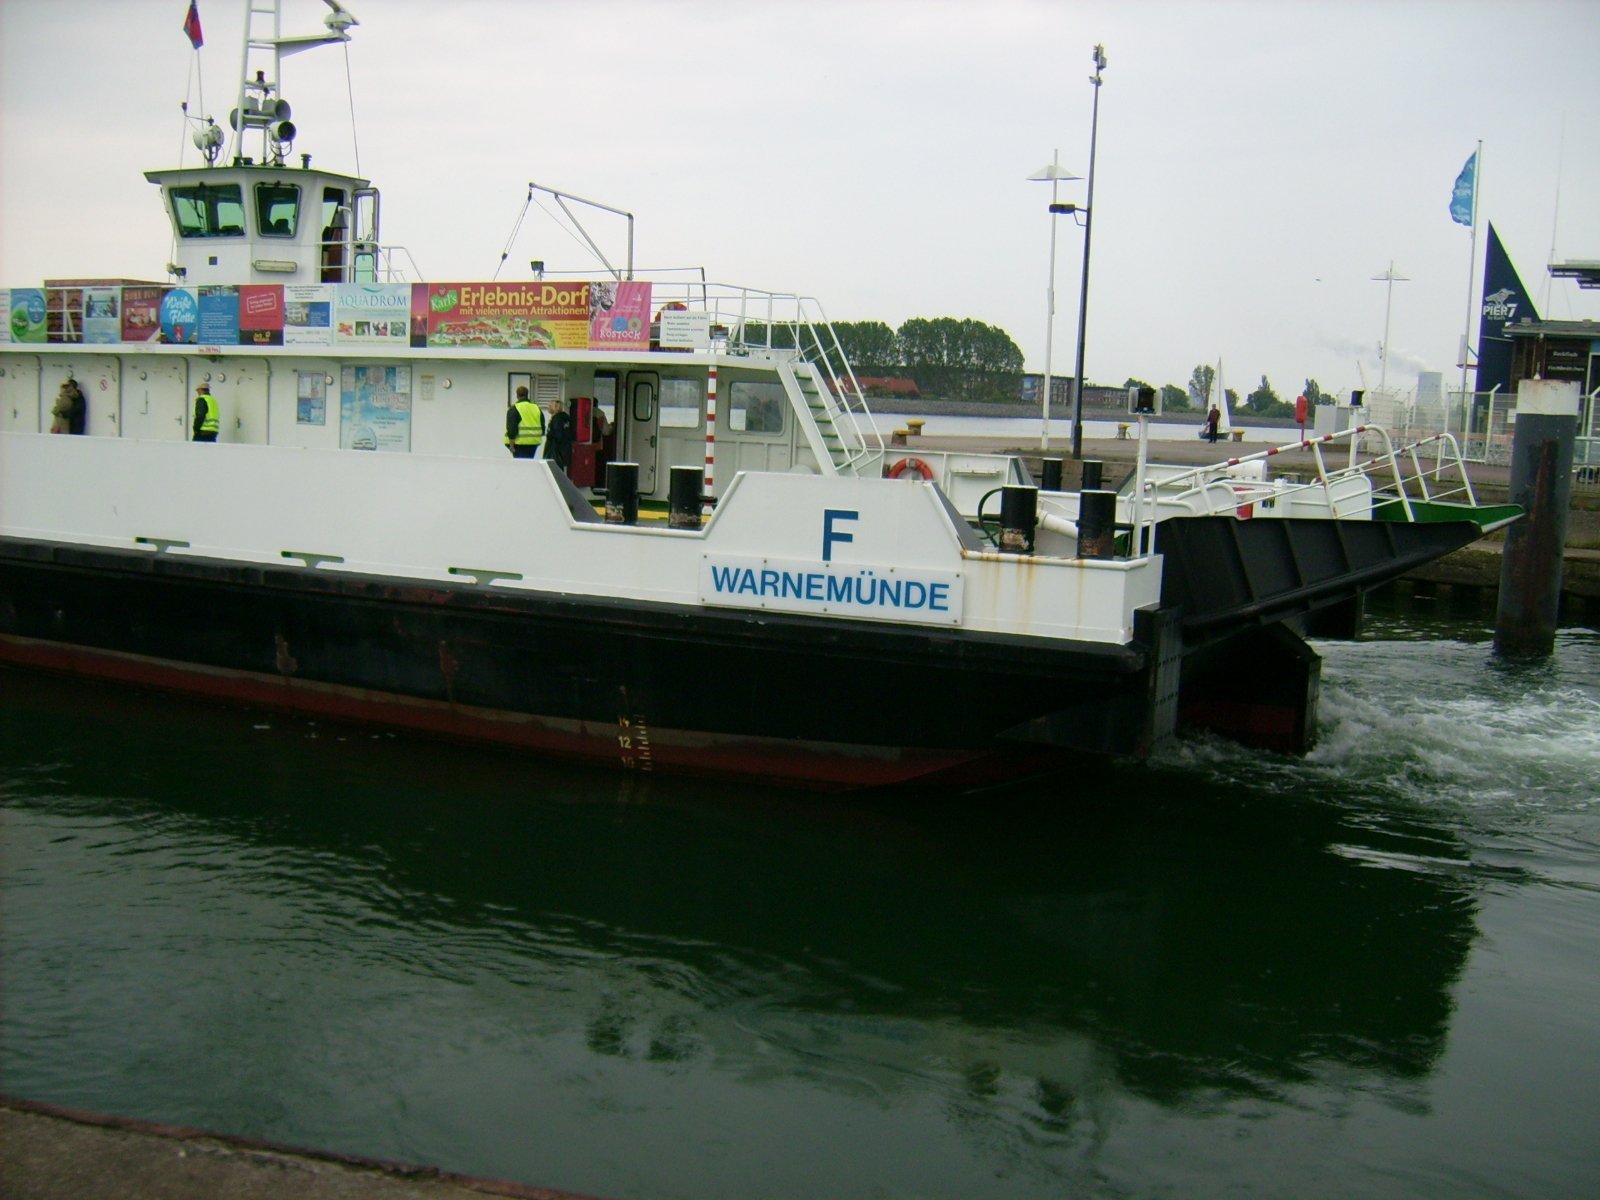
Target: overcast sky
point(1259, 162)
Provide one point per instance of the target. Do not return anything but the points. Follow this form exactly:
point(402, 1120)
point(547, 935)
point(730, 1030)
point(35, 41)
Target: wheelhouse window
point(755, 407)
point(277, 209)
point(334, 232)
point(333, 199)
point(680, 403)
point(206, 210)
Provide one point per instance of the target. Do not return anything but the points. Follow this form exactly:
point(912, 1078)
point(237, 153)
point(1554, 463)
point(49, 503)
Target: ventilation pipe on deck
point(1097, 523)
point(685, 498)
point(1019, 509)
point(622, 493)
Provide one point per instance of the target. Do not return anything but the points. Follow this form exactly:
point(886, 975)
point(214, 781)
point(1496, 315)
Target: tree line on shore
point(950, 358)
point(1264, 401)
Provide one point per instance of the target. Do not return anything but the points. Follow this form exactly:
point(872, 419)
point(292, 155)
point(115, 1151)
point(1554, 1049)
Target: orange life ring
point(911, 464)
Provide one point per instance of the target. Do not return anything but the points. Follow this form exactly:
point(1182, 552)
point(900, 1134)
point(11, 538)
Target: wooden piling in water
point(1541, 482)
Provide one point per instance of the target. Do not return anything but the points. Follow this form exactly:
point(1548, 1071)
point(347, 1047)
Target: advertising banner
point(514, 316)
point(25, 315)
point(419, 315)
point(1505, 300)
point(180, 316)
point(63, 315)
point(375, 408)
point(681, 330)
point(141, 313)
point(308, 314)
point(311, 398)
point(261, 314)
point(372, 314)
point(619, 316)
point(102, 319)
point(219, 314)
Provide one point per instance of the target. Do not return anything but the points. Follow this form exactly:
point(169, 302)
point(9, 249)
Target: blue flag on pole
point(1461, 200)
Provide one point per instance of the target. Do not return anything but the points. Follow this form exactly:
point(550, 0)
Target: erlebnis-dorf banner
point(592, 315)
point(540, 315)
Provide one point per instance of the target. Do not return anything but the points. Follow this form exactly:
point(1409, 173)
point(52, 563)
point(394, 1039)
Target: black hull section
point(831, 704)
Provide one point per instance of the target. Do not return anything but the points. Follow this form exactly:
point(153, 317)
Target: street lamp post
point(1388, 304)
point(1088, 226)
point(1054, 175)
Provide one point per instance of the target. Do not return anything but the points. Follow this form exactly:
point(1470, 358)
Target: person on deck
point(207, 417)
point(524, 426)
point(71, 411)
point(559, 451)
point(1213, 420)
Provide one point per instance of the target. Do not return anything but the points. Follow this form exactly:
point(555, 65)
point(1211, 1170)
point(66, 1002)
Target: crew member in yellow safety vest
point(207, 419)
point(524, 426)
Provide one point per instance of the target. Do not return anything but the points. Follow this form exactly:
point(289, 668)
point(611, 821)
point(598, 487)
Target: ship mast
point(260, 104)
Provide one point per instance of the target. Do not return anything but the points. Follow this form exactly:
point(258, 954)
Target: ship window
point(277, 209)
point(332, 202)
point(680, 403)
point(644, 399)
point(755, 408)
point(209, 210)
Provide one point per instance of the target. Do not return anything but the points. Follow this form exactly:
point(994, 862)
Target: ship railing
point(371, 263)
point(1430, 469)
point(786, 327)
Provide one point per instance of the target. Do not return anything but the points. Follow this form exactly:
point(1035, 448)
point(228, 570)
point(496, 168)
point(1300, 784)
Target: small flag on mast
point(1461, 200)
point(191, 25)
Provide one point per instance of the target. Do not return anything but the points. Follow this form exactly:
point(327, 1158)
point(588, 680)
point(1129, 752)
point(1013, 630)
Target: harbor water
point(1372, 972)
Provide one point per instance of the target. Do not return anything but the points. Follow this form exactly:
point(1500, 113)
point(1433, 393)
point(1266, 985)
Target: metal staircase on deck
point(842, 441)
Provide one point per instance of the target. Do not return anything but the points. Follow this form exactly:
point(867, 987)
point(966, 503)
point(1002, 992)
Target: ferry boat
point(816, 607)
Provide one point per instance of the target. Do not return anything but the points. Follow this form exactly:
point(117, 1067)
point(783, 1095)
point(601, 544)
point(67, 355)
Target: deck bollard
point(622, 493)
point(1019, 512)
point(1050, 475)
point(685, 497)
point(1097, 523)
point(1541, 482)
point(1093, 473)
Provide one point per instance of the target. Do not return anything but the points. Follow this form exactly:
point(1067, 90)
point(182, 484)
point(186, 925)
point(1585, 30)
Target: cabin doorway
point(249, 392)
point(543, 390)
point(22, 408)
point(155, 401)
point(640, 419)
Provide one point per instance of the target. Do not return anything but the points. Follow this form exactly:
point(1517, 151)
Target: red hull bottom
point(827, 766)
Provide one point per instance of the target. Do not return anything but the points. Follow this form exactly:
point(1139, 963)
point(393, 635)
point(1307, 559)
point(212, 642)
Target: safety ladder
point(833, 432)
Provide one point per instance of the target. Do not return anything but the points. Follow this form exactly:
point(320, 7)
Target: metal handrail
point(753, 315)
point(1198, 481)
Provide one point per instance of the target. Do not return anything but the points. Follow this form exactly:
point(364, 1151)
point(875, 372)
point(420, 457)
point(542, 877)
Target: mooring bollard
point(1092, 473)
point(622, 493)
point(1050, 475)
point(1541, 482)
point(1097, 523)
point(685, 497)
point(1019, 512)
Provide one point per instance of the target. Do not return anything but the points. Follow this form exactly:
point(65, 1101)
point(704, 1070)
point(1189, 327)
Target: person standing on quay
point(1213, 420)
point(207, 417)
point(524, 426)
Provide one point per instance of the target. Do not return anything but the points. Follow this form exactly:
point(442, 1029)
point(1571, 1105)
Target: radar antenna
point(261, 104)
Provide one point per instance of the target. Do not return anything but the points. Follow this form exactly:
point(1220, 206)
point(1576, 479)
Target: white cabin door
point(247, 388)
point(639, 421)
point(155, 400)
point(100, 380)
point(21, 407)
